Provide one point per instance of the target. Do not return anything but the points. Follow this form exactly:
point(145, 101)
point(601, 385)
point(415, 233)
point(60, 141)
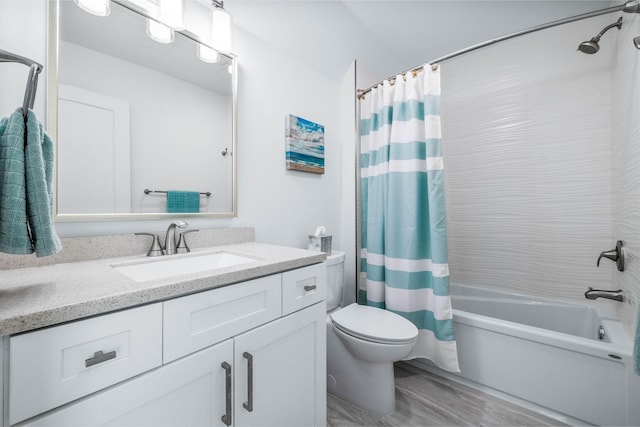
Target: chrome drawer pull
point(99, 357)
point(226, 418)
point(249, 404)
point(308, 288)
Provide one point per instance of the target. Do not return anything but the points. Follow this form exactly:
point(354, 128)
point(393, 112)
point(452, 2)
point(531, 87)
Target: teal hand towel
point(183, 201)
point(39, 173)
point(14, 231)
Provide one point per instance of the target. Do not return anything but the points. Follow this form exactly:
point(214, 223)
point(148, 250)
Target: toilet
point(362, 344)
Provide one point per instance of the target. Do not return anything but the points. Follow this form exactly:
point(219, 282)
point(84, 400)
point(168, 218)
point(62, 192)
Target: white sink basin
point(167, 266)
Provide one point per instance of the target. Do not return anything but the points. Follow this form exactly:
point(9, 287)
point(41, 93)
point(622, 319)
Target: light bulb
point(171, 13)
point(159, 32)
point(206, 54)
point(221, 30)
point(95, 7)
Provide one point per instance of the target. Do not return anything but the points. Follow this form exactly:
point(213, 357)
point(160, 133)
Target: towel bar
point(147, 191)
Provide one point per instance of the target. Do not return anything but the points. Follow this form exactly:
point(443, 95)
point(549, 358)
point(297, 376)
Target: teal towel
point(39, 173)
point(183, 201)
point(636, 346)
point(14, 231)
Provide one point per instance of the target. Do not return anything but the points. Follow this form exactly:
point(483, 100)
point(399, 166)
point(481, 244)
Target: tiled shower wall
point(625, 157)
point(532, 184)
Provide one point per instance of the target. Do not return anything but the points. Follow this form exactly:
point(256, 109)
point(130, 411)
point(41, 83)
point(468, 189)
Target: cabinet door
point(280, 371)
point(188, 392)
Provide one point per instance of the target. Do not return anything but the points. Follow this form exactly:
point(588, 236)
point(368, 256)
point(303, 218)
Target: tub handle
point(616, 254)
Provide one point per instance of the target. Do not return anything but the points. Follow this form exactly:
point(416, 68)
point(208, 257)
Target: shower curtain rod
point(632, 6)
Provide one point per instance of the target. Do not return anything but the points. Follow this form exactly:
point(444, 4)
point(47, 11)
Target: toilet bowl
point(362, 344)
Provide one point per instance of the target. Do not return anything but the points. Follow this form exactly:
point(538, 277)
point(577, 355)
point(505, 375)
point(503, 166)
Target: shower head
point(592, 45)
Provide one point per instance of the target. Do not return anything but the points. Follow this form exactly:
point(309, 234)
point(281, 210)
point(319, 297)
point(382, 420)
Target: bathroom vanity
point(235, 345)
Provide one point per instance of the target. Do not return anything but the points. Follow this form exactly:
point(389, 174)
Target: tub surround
point(33, 297)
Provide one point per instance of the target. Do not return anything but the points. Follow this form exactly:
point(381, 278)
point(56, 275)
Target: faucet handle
point(616, 255)
point(182, 247)
point(156, 248)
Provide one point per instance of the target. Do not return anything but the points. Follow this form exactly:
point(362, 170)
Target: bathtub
point(572, 359)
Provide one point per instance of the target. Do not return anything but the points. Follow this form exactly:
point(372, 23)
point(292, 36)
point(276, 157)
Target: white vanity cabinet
point(230, 356)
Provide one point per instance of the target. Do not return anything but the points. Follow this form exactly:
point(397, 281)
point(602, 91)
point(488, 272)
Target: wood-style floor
point(424, 399)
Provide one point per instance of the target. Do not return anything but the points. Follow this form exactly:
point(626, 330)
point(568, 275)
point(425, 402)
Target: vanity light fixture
point(95, 7)
point(206, 54)
point(219, 37)
point(171, 13)
point(220, 28)
point(159, 32)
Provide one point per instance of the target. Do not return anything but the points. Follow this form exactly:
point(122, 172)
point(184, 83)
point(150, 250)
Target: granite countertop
point(37, 297)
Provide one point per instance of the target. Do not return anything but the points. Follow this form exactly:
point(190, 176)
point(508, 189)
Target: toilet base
point(370, 386)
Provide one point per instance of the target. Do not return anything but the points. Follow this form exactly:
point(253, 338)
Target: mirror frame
point(53, 34)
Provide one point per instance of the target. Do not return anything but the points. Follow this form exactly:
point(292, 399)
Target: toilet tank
point(335, 279)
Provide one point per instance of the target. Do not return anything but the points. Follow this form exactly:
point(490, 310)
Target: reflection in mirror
point(136, 115)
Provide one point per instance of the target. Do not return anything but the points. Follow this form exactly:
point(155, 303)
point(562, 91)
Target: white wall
point(625, 153)
point(284, 206)
point(527, 134)
point(23, 26)
point(347, 236)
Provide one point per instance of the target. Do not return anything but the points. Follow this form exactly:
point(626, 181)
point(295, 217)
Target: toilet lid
point(374, 324)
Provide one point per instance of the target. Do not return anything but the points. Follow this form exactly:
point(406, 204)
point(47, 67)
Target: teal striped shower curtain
point(404, 238)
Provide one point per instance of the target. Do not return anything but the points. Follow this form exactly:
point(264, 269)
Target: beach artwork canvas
point(305, 145)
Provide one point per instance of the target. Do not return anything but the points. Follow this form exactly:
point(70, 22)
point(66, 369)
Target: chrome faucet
point(170, 239)
point(601, 293)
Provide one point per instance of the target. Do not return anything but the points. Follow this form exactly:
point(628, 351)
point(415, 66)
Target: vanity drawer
point(197, 321)
point(53, 366)
point(303, 287)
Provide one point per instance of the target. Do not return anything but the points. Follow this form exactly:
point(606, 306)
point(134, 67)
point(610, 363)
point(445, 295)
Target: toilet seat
point(374, 324)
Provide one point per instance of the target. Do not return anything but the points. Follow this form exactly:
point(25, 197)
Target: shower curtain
point(404, 240)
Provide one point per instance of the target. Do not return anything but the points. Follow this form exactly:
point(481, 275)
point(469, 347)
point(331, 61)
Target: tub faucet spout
point(601, 293)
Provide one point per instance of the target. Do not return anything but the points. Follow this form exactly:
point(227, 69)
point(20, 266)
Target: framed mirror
point(143, 130)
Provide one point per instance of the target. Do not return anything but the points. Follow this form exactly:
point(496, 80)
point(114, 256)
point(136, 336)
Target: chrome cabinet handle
point(308, 288)
point(226, 418)
point(248, 405)
point(99, 357)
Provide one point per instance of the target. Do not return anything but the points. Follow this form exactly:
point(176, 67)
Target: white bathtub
point(548, 353)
